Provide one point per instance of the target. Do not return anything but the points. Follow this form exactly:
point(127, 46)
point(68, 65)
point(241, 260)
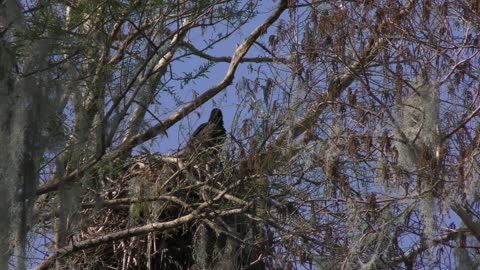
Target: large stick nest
point(151, 188)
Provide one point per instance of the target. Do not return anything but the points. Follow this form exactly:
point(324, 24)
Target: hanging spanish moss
point(26, 118)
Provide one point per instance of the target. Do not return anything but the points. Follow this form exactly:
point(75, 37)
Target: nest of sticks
point(150, 188)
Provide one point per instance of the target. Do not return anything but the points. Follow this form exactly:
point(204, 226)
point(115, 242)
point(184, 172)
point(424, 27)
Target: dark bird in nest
point(208, 135)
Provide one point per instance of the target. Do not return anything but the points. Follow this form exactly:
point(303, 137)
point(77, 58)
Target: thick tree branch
point(180, 114)
point(142, 230)
point(410, 254)
point(467, 220)
point(214, 90)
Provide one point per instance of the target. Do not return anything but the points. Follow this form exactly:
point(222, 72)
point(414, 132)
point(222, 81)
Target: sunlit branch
point(142, 230)
point(241, 50)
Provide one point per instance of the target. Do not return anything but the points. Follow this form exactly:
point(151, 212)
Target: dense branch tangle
point(355, 134)
point(99, 117)
point(367, 145)
point(128, 219)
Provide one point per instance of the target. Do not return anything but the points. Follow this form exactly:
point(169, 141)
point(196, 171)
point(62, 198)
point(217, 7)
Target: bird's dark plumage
point(208, 135)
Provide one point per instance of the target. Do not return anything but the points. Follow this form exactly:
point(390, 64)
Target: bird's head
point(216, 116)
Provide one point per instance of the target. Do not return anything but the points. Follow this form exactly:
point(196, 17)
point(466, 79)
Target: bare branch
point(180, 114)
point(152, 227)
